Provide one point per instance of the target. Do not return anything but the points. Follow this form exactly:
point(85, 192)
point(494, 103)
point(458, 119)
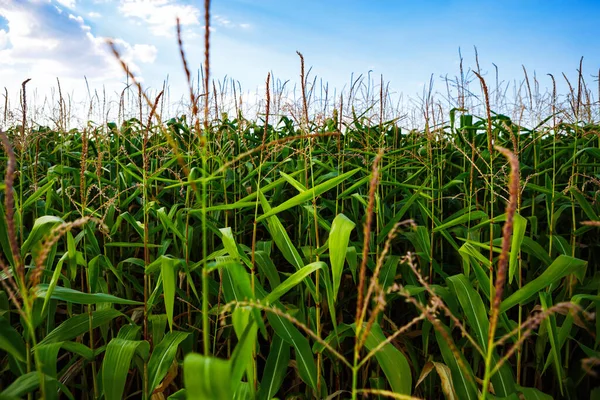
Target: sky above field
point(405, 41)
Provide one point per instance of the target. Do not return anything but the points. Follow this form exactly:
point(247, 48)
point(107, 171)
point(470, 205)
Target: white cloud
point(77, 18)
point(43, 44)
point(220, 20)
point(4, 42)
point(145, 53)
point(67, 3)
point(161, 15)
point(80, 21)
point(94, 14)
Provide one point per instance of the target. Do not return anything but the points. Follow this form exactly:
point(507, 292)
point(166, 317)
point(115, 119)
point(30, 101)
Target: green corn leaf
point(388, 271)
point(533, 394)
point(280, 236)
point(339, 237)
point(181, 394)
point(463, 378)
point(117, 361)
point(71, 252)
point(472, 306)
point(445, 233)
point(267, 268)
point(475, 259)
point(561, 267)
point(48, 354)
point(359, 183)
point(550, 322)
point(420, 239)
point(393, 363)
point(168, 223)
point(78, 325)
point(29, 382)
point(80, 349)
point(130, 332)
point(326, 279)
point(77, 297)
point(267, 188)
point(21, 386)
point(584, 204)
point(4, 241)
point(233, 289)
point(561, 245)
point(476, 314)
point(400, 214)
point(169, 282)
point(41, 227)
point(231, 246)
point(223, 207)
point(11, 341)
point(244, 391)
point(162, 357)
point(283, 242)
point(237, 283)
point(565, 329)
point(136, 225)
point(93, 272)
point(304, 356)
point(309, 194)
point(289, 179)
point(293, 281)
point(158, 324)
point(532, 247)
point(275, 369)
point(242, 357)
point(519, 228)
point(352, 260)
point(131, 244)
point(90, 238)
point(207, 378)
point(37, 194)
point(462, 219)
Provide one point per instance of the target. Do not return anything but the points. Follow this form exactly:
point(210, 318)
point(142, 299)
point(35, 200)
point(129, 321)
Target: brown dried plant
point(502, 268)
point(366, 241)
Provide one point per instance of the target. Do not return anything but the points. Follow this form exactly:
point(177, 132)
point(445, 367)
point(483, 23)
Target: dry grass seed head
point(49, 241)
point(366, 240)
point(9, 205)
point(513, 184)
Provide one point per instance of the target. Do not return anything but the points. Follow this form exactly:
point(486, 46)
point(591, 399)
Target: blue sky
point(406, 41)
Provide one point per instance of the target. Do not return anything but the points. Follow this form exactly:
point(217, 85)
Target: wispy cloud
point(67, 3)
point(161, 15)
point(222, 21)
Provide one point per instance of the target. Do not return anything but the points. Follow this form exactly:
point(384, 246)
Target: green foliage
point(210, 266)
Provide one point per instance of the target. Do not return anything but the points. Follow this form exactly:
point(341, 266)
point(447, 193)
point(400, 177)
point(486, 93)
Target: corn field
point(293, 257)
